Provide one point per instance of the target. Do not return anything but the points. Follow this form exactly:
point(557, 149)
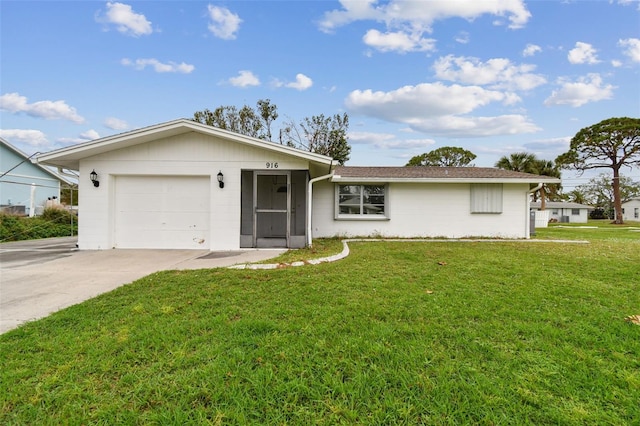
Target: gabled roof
point(560, 205)
point(70, 157)
point(435, 174)
point(28, 159)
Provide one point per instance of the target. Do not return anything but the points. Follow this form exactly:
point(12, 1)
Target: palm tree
point(528, 163)
point(578, 196)
point(546, 168)
point(517, 162)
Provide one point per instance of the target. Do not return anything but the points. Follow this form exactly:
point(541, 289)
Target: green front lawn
point(396, 333)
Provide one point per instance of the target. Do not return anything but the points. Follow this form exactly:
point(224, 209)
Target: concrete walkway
point(40, 277)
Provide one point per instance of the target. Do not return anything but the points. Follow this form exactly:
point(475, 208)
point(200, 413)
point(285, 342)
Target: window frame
point(361, 215)
point(575, 212)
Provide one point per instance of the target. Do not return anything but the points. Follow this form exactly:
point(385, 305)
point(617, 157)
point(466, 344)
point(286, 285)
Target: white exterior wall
point(428, 210)
point(189, 154)
point(573, 218)
point(629, 209)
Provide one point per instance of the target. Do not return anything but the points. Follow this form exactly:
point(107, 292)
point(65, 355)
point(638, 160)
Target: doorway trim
point(259, 241)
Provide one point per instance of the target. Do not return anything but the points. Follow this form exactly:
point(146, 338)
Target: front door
point(272, 213)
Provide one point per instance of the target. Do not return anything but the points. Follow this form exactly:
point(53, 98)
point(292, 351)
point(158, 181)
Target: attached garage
point(162, 212)
point(185, 185)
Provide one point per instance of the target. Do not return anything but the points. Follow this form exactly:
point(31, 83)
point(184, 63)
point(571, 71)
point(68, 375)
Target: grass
point(396, 333)
point(593, 230)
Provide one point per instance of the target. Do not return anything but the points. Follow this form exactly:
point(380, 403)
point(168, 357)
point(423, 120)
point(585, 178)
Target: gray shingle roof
point(435, 173)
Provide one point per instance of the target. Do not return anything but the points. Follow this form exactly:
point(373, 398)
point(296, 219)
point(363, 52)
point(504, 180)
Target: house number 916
point(272, 165)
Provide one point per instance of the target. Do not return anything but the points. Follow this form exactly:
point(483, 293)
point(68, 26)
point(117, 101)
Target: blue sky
point(492, 76)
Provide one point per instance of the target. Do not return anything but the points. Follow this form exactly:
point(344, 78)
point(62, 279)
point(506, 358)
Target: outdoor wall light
point(220, 178)
point(94, 178)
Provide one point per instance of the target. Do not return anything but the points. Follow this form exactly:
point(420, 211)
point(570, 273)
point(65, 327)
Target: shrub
point(59, 216)
point(52, 223)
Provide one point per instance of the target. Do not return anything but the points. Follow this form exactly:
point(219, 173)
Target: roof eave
point(354, 179)
point(70, 157)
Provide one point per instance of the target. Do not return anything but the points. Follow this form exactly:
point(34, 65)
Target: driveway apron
point(40, 277)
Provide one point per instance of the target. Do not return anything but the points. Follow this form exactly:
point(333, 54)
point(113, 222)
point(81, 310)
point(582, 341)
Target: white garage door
point(166, 212)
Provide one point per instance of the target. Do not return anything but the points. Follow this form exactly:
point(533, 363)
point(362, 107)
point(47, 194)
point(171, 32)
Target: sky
point(491, 76)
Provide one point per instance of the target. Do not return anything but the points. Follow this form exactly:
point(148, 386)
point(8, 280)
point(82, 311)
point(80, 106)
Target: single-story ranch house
point(631, 209)
point(565, 212)
point(185, 185)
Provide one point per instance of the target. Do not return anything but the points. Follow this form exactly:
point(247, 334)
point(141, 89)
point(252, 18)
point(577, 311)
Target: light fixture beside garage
point(94, 178)
point(220, 179)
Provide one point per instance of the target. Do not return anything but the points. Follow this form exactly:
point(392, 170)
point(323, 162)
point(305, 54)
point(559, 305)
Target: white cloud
point(552, 144)
point(438, 109)
point(422, 100)
point(398, 41)
point(126, 20)
point(34, 138)
point(531, 49)
point(510, 124)
point(244, 79)
point(50, 110)
point(224, 23)
point(632, 48)
point(302, 82)
point(414, 14)
point(583, 53)
point(577, 93)
point(387, 140)
point(463, 37)
point(497, 72)
point(140, 64)
point(115, 123)
point(90, 135)
point(82, 137)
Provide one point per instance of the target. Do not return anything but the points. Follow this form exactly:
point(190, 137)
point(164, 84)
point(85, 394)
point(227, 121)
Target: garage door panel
point(162, 212)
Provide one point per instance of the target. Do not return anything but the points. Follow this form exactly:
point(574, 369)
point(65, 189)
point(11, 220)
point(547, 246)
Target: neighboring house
point(182, 184)
point(25, 187)
point(565, 212)
point(631, 209)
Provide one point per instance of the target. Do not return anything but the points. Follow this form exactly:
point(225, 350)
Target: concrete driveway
point(40, 277)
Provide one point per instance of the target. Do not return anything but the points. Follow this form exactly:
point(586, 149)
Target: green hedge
point(52, 223)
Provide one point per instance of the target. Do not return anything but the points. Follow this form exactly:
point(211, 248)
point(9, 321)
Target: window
point(486, 198)
point(554, 212)
point(575, 212)
point(636, 213)
point(363, 201)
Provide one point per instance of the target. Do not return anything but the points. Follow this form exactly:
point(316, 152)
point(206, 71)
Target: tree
point(517, 162)
point(546, 168)
point(599, 192)
point(244, 121)
point(611, 143)
point(528, 163)
point(577, 195)
point(247, 121)
point(319, 134)
point(268, 113)
point(446, 156)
